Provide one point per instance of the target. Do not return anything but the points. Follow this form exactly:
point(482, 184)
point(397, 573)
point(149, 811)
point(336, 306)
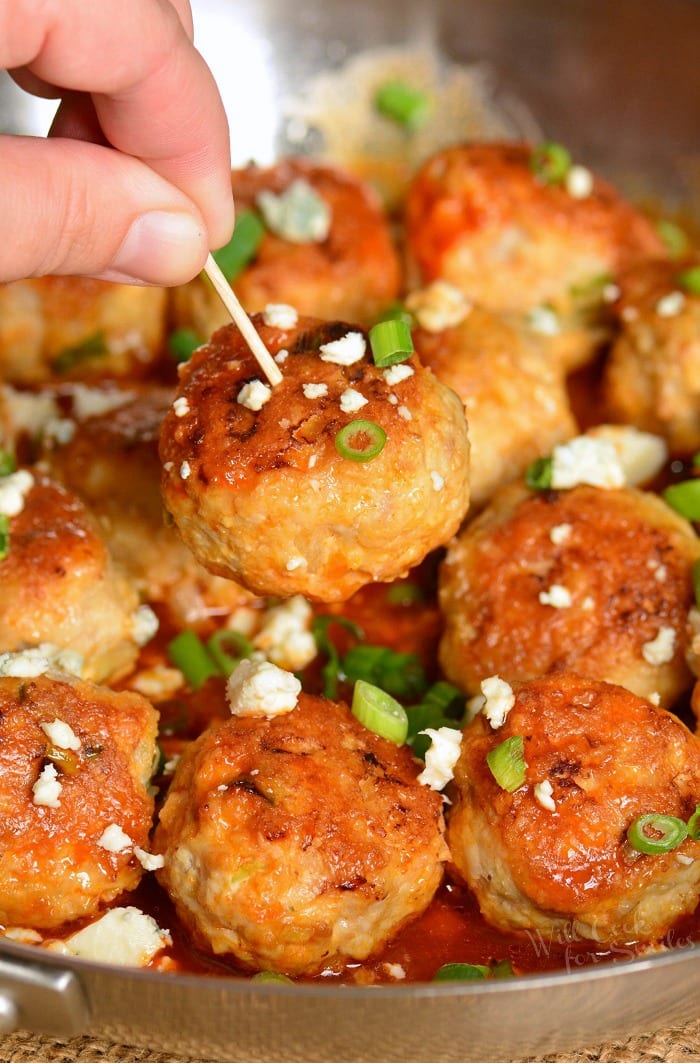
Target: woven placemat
point(678, 1045)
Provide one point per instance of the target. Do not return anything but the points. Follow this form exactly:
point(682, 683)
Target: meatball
point(111, 461)
point(553, 855)
point(652, 376)
point(479, 217)
point(352, 273)
point(492, 367)
point(265, 496)
point(58, 584)
point(76, 328)
point(297, 842)
point(62, 788)
point(588, 580)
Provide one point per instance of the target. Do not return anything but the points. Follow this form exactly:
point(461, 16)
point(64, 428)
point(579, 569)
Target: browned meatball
point(553, 855)
point(265, 497)
point(111, 461)
point(652, 377)
point(479, 217)
point(353, 273)
point(56, 862)
point(58, 584)
point(76, 328)
point(516, 404)
point(591, 580)
point(297, 842)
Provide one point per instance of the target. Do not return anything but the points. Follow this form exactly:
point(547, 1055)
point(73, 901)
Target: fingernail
point(161, 248)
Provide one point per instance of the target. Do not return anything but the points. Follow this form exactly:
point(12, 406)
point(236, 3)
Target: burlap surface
point(679, 1045)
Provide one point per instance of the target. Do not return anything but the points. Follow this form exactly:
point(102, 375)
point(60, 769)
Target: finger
point(76, 118)
point(155, 97)
point(98, 213)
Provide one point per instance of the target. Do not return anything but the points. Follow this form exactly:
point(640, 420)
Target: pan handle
point(42, 999)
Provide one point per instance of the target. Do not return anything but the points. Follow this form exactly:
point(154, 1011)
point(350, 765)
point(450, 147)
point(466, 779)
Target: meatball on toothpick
point(342, 474)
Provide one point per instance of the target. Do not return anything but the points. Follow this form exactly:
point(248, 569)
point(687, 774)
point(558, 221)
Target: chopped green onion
point(550, 162)
point(243, 246)
point(4, 536)
point(379, 712)
point(182, 343)
point(502, 969)
point(271, 976)
point(689, 280)
point(399, 674)
point(92, 346)
point(684, 498)
point(360, 440)
point(390, 342)
point(404, 593)
point(655, 833)
point(190, 655)
point(407, 106)
point(228, 648)
point(8, 464)
point(330, 672)
point(299, 214)
point(694, 825)
point(676, 241)
point(397, 312)
point(507, 763)
point(462, 972)
point(538, 475)
point(591, 290)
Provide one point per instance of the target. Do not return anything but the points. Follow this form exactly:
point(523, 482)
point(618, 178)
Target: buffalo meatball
point(479, 217)
point(351, 271)
point(492, 366)
point(591, 580)
point(75, 768)
point(76, 328)
point(342, 474)
point(59, 584)
point(652, 376)
point(297, 842)
point(550, 851)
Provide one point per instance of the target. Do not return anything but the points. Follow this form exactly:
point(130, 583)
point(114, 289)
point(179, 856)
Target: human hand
point(133, 183)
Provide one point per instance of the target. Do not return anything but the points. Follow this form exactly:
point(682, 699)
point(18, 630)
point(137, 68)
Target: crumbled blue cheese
point(282, 356)
point(560, 533)
point(299, 214)
point(352, 400)
point(556, 596)
point(181, 407)
point(315, 391)
point(125, 937)
point(59, 430)
point(285, 636)
point(93, 402)
point(585, 460)
point(145, 624)
point(254, 395)
point(46, 791)
point(438, 306)
point(280, 315)
point(114, 839)
point(395, 374)
point(149, 861)
point(437, 480)
point(38, 660)
point(684, 859)
point(500, 699)
point(259, 688)
point(655, 698)
point(403, 411)
point(473, 707)
point(185, 470)
point(395, 971)
point(158, 682)
point(441, 756)
point(670, 305)
point(28, 412)
point(296, 562)
point(544, 321)
point(347, 350)
point(661, 649)
point(543, 795)
point(13, 492)
point(641, 455)
point(579, 182)
point(660, 571)
point(61, 734)
point(611, 293)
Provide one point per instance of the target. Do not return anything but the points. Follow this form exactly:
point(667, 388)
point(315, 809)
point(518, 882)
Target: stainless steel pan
point(620, 84)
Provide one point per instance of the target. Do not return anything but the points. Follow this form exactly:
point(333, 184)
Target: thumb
point(74, 207)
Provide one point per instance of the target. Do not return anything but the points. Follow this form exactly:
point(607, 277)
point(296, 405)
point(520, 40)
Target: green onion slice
point(655, 833)
point(538, 475)
point(228, 648)
point(462, 972)
point(404, 593)
point(4, 536)
point(92, 346)
point(182, 343)
point(379, 712)
point(390, 342)
point(676, 241)
point(243, 246)
point(689, 280)
point(694, 825)
point(402, 103)
point(502, 969)
point(684, 498)
point(507, 763)
point(271, 976)
point(397, 312)
point(360, 440)
point(399, 674)
point(190, 655)
point(8, 464)
point(550, 162)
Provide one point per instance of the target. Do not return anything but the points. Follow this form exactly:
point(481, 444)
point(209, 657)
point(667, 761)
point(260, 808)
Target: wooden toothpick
point(240, 318)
